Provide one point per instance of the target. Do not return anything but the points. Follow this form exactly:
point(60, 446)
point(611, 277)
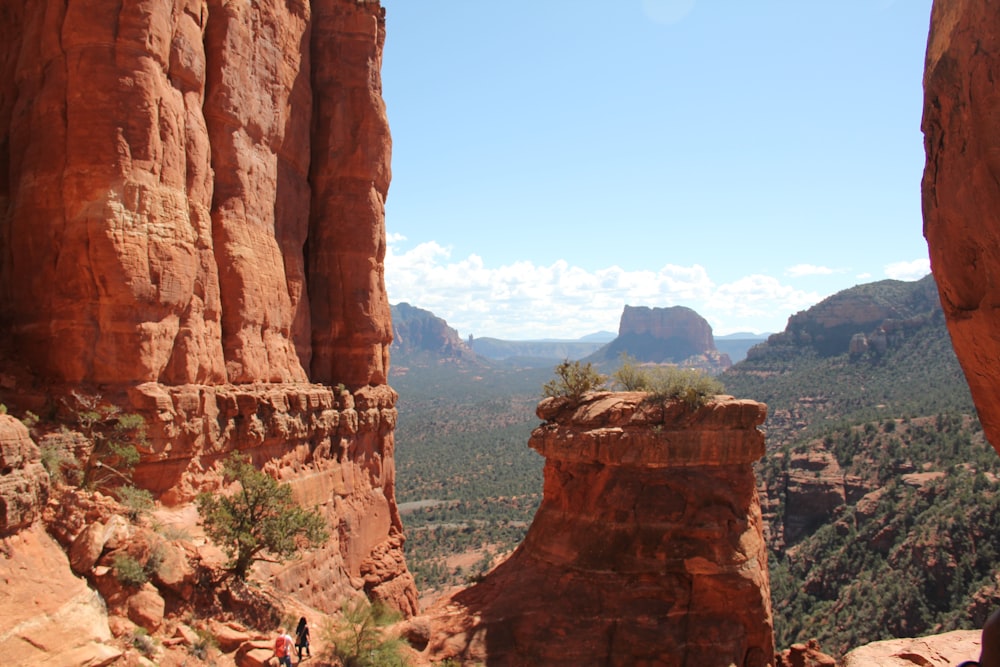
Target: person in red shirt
point(283, 648)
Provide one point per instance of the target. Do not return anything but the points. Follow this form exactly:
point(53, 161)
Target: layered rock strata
point(192, 228)
point(961, 189)
point(647, 548)
point(24, 483)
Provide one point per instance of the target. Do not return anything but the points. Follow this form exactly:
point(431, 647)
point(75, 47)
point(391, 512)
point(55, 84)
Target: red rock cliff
point(192, 226)
point(647, 548)
point(194, 190)
point(961, 189)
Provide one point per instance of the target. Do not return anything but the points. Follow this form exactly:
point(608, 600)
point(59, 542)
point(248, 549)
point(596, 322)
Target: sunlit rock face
point(647, 548)
point(192, 227)
point(961, 189)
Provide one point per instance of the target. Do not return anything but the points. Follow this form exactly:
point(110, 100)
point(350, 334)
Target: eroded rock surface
point(192, 229)
point(961, 189)
point(24, 483)
point(194, 191)
point(647, 547)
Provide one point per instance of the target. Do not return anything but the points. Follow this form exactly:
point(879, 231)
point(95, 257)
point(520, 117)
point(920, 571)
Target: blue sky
point(556, 160)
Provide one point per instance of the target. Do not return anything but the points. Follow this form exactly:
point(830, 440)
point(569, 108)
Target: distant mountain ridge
point(419, 332)
point(657, 335)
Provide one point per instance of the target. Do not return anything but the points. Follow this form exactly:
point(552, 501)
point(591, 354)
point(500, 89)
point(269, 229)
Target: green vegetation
point(129, 570)
point(259, 518)
point(466, 479)
point(574, 379)
point(115, 439)
point(360, 638)
point(691, 386)
point(916, 555)
point(136, 501)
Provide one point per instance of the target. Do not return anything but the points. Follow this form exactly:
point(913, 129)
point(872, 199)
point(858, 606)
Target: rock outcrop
point(24, 483)
point(192, 228)
point(950, 648)
point(647, 547)
point(961, 189)
point(50, 617)
point(864, 318)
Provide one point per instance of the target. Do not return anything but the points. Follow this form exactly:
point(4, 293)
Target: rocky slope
point(192, 231)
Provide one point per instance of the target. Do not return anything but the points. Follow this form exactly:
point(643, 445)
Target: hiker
point(302, 638)
point(283, 648)
point(990, 652)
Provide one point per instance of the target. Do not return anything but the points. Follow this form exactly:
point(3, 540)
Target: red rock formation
point(950, 648)
point(24, 484)
point(647, 548)
point(677, 322)
point(961, 189)
point(192, 197)
point(172, 169)
point(49, 616)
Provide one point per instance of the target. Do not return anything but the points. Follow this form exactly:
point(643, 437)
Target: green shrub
point(55, 460)
point(359, 638)
point(30, 419)
point(573, 380)
point(668, 382)
point(261, 518)
point(128, 570)
point(136, 501)
point(115, 437)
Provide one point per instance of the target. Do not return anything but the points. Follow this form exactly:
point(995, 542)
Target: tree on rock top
point(260, 521)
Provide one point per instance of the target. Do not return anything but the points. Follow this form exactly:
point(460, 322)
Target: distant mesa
point(674, 335)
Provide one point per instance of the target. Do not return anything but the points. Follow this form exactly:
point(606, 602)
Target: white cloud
point(808, 270)
point(914, 270)
point(524, 300)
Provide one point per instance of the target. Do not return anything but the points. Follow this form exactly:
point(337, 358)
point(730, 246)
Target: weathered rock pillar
point(647, 549)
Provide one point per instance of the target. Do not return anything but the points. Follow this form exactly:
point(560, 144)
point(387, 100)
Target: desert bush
point(574, 379)
point(129, 571)
point(360, 639)
point(136, 501)
point(115, 438)
point(668, 382)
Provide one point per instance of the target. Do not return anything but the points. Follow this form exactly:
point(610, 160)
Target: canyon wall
point(961, 189)
point(192, 229)
point(647, 548)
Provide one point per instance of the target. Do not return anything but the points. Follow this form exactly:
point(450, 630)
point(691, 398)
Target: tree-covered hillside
point(466, 480)
point(910, 550)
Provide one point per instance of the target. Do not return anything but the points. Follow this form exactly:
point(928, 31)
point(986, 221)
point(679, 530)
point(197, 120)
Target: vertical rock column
point(961, 189)
point(351, 326)
point(647, 548)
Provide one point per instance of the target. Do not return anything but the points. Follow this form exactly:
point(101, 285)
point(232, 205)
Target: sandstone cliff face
point(192, 226)
point(961, 189)
point(647, 548)
point(194, 191)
